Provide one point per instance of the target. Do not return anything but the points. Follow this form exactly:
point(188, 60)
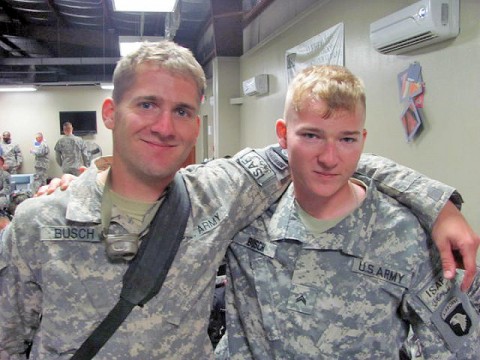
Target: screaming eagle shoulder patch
point(452, 313)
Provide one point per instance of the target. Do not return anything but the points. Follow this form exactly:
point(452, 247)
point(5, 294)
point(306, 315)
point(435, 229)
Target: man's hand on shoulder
point(457, 243)
point(63, 183)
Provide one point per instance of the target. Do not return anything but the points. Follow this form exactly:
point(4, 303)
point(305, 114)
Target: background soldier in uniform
point(11, 153)
point(41, 152)
point(55, 291)
point(5, 186)
point(70, 151)
point(336, 269)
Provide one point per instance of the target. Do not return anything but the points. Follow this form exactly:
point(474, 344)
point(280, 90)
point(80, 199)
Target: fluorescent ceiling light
point(145, 5)
point(18, 88)
point(129, 44)
point(106, 86)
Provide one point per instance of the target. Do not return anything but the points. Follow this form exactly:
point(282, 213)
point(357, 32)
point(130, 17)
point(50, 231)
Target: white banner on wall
point(324, 48)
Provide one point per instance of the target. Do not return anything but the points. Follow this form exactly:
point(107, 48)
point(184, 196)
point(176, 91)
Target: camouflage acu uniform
point(350, 292)
point(71, 153)
point(56, 268)
point(66, 278)
point(42, 162)
point(5, 189)
point(13, 157)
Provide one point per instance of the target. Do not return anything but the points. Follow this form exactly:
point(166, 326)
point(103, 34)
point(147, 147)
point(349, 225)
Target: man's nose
point(328, 156)
point(163, 123)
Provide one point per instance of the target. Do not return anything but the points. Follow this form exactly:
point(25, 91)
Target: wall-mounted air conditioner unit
point(424, 23)
point(257, 85)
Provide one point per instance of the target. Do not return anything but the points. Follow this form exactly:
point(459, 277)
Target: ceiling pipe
point(60, 61)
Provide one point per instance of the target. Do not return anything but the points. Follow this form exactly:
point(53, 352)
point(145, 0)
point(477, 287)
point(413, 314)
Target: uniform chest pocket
point(74, 302)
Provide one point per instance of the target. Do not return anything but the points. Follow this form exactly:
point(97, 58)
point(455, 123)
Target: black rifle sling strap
point(147, 271)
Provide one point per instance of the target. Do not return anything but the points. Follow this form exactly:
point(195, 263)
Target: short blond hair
point(167, 55)
point(334, 84)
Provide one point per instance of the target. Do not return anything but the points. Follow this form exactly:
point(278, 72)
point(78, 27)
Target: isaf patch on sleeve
point(435, 292)
point(257, 167)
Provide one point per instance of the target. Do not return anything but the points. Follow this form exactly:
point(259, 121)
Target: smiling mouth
point(324, 174)
point(159, 144)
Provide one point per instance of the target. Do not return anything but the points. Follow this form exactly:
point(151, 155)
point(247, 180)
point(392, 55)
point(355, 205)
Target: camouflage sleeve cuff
point(425, 197)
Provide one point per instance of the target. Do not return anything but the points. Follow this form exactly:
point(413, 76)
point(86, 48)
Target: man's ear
point(108, 113)
point(281, 128)
point(198, 126)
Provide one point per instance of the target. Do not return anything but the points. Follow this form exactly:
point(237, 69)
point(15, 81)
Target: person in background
point(335, 269)
point(41, 152)
point(94, 151)
point(70, 151)
point(5, 186)
point(11, 153)
point(60, 278)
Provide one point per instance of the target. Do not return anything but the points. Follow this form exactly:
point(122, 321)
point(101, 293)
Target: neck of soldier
point(339, 204)
point(131, 186)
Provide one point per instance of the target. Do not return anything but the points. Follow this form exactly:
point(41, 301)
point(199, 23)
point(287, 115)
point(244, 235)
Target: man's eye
point(182, 112)
point(349, 140)
point(310, 136)
point(146, 105)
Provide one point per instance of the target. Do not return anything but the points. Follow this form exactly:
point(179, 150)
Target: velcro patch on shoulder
point(277, 160)
point(254, 164)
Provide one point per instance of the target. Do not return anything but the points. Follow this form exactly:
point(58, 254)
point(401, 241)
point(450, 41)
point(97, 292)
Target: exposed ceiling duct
point(48, 41)
point(77, 41)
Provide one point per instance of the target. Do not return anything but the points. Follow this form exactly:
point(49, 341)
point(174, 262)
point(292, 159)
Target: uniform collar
point(349, 236)
point(86, 194)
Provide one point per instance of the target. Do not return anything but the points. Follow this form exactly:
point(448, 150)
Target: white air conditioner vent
point(421, 24)
point(407, 43)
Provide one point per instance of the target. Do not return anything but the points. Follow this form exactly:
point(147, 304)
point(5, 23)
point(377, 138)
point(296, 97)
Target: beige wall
point(227, 116)
point(447, 148)
point(25, 114)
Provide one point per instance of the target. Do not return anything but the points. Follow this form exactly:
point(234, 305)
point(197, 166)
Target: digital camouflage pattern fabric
point(57, 282)
point(349, 292)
